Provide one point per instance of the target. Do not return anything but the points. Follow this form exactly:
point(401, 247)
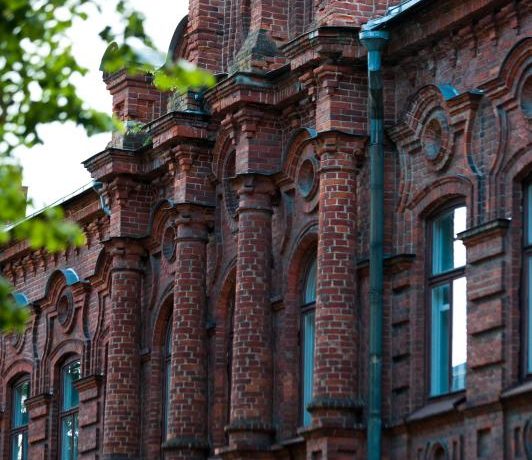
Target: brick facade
point(211, 215)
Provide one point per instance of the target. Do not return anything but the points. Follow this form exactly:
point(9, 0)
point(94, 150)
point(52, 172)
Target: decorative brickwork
point(205, 222)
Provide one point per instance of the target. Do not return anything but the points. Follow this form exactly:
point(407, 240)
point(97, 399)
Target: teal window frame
point(307, 340)
point(69, 411)
point(18, 436)
point(447, 291)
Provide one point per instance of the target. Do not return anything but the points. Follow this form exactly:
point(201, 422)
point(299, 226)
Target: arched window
point(448, 302)
point(19, 419)
point(527, 270)
point(167, 375)
point(308, 307)
point(68, 411)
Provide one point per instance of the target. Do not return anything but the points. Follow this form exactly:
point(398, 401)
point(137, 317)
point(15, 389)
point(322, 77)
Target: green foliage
point(36, 88)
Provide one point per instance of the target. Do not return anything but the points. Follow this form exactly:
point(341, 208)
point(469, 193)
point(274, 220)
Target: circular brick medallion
point(435, 139)
point(306, 177)
point(65, 307)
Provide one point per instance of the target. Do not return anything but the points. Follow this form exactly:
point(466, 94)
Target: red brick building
point(220, 308)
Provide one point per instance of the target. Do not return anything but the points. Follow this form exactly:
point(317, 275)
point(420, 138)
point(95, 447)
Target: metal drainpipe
point(374, 41)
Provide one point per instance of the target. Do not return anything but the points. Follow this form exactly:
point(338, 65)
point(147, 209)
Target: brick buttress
point(121, 435)
point(187, 423)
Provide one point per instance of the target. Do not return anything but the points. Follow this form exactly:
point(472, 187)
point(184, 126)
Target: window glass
point(448, 304)
point(19, 446)
point(308, 363)
point(459, 346)
point(529, 208)
point(310, 283)
point(529, 360)
point(69, 411)
point(19, 421)
point(71, 373)
point(20, 395)
point(307, 341)
point(440, 340)
point(448, 252)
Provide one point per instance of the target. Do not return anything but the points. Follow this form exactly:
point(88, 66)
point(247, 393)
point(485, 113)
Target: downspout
point(374, 41)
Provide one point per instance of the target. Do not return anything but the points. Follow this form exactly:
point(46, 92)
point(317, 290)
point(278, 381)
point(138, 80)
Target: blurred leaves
point(36, 88)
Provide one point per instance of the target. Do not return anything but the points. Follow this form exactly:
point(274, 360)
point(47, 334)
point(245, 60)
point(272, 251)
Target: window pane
point(19, 446)
point(20, 413)
point(308, 363)
point(167, 397)
point(448, 252)
point(529, 211)
point(310, 284)
point(459, 347)
point(439, 379)
point(71, 373)
point(460, 224)
point(529, 314)
point(67, 436)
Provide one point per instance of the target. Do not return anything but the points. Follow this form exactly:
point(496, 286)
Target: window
point(448, 302)
point(68, 413)
point(307, 341)
point(167, 376)
point(527, 264)
point(19, 420)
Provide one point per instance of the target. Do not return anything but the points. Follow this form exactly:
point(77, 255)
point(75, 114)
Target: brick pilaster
point(335, 370)
point(251, 391)
point(121, 436)
point(89, 416)
point(38, 427)
point(486, 354)
point(187, 423)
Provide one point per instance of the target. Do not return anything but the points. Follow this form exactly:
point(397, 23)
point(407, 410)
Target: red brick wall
point(230, 278)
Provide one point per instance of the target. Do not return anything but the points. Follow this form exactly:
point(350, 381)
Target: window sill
point(436, 407)
point(522, 389)
point(288, 443)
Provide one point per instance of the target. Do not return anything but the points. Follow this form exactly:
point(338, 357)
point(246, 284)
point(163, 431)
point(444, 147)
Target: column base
point(186, 447)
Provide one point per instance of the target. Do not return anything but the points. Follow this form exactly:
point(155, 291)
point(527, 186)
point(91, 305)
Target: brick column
point(251, 390)
point(335, 367)
point(187, 424)
point(121, 435)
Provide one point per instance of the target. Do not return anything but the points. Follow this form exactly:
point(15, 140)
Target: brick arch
point(224, 145)
point(159, 215)
point(288, 360)
point(163, 313)
point(54, 358)
point(515, 170)
point(430, 198)
point(298, 139)
point(518, 59)
point(179, 42)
